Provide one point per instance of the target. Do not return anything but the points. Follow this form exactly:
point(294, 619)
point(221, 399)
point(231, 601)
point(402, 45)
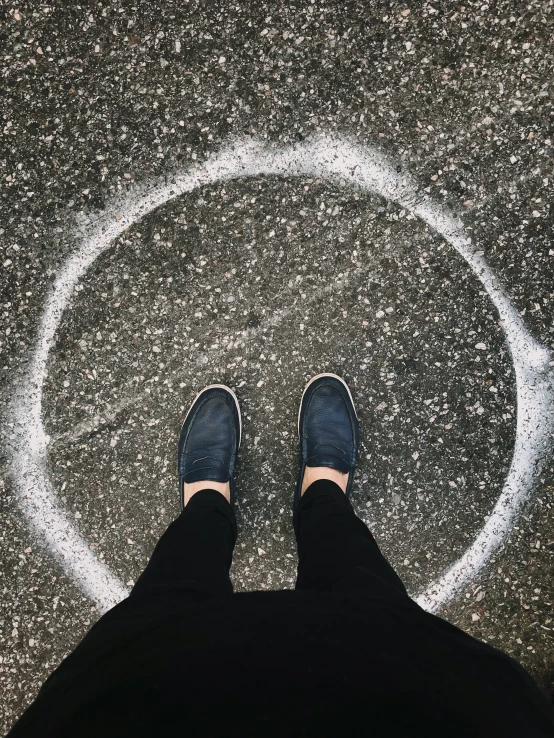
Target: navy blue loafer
point(328, 428)
point(210, 439)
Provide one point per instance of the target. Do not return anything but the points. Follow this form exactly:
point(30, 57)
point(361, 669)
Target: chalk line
point(344, 162)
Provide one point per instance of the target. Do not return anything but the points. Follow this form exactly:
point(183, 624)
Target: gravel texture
point(261, 283)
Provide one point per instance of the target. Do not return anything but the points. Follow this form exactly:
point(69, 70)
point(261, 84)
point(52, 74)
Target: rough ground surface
point(262, 283)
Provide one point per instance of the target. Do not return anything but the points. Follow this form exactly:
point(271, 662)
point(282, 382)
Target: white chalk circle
point(343, 162)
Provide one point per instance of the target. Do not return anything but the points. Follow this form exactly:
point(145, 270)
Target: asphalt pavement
point(261, 280)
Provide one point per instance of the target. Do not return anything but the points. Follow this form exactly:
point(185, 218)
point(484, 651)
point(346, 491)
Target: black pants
point(336, 551)
point(191, 562)
point(352, 650)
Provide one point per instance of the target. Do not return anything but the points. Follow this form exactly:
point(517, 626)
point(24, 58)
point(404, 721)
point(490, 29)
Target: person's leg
point(196, 550)
point(336, 551)
point(190, 565)
point(194, 554)
point(192, 559)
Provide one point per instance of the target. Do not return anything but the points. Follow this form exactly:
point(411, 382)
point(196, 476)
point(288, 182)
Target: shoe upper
point(328, 426)
point(209, 439)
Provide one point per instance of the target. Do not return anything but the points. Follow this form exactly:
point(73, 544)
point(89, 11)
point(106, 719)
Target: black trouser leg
point(190, 564)
point(336, 551)
point(196, 550)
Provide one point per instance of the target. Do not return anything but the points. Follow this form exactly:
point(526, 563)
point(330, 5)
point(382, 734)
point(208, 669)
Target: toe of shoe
point(328, 427)
point(210, 437)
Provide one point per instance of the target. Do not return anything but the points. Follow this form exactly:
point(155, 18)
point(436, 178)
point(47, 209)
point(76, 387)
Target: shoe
point(210, 439)
point(328, 428)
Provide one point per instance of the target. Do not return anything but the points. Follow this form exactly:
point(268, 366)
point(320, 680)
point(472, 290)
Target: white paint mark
point(345, 163)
